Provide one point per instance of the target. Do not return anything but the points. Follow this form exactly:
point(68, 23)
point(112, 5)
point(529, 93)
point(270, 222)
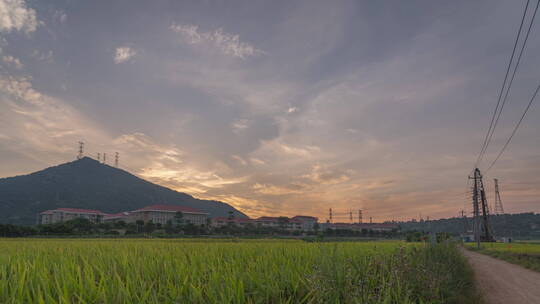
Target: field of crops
point(228, 271)
point(525, 254)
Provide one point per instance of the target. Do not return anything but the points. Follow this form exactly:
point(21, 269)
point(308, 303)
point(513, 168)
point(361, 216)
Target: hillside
point(520, 225)
point(88, 184)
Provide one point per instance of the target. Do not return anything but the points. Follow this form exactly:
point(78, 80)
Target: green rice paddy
point(228, 271)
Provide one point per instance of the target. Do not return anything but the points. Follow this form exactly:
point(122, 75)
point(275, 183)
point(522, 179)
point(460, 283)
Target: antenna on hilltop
point(81, 150)
point(116, 157)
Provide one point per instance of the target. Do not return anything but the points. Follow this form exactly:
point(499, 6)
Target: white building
point(65, 214)
point(278, 223)
point(308, 222)
point(116, 217)
point(161, 214)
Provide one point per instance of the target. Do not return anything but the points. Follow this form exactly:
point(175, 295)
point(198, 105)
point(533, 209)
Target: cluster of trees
point(520, 225)
point(420, 236)
point(176, 227)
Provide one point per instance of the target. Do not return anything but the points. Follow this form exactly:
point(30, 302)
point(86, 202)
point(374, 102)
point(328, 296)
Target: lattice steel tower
point(498, 202)
point(481, 225)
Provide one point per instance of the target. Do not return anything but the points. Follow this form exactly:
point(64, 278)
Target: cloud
point(277, 190)
point(228, 44)
point(15, 15)
point(15, 62)
point(124, 54)
point(291, 110)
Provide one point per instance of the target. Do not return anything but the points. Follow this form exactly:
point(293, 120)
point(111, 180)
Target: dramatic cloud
point(15, 15)
point(229, 44)
point(15, 62)
point(351, 105)
point(123, 54)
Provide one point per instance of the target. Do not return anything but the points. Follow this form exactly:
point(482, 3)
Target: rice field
point(525, 254)
point(228, 271)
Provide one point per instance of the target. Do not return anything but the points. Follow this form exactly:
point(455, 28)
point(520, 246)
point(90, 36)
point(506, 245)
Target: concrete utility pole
point(330, 215)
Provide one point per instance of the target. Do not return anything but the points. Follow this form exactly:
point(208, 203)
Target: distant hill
point(519, 225)
point(88, 184)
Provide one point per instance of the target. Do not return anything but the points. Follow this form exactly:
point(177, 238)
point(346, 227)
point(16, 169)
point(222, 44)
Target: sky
point(276, 107)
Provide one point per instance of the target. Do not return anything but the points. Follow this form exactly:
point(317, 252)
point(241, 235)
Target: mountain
point(89, 184)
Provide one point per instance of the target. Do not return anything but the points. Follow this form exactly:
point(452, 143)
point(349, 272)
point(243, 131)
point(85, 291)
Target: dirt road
point(502, 282)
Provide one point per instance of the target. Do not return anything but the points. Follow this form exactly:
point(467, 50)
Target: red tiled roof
point(267, 218)
point(75, 210)
point(305, 217)
point(169, 208)
point(237, 219)
point(121, 214)
point(276, 219)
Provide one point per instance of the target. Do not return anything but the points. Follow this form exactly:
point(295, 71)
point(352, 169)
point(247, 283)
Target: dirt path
point(502, 282)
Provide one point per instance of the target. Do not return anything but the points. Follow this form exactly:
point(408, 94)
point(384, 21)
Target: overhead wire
point(484, 144)
point(513, 75)
point(515, 129)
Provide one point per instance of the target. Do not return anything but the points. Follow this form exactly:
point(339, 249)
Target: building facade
point(65, 214)
point(236, 221)
point(309, 223)
point(162, 214)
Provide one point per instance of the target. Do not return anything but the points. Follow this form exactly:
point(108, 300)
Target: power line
point(513, 75)
point(515, 128)
point(484, 145)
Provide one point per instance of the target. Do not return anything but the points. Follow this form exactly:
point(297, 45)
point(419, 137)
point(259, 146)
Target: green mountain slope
point(88, 184)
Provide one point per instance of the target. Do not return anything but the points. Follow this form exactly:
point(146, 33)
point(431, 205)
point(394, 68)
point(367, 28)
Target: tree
point(179, 218)
point(140, 225)
point(149, 227)
point(283, 220)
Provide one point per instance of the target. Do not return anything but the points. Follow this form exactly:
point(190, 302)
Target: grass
point(231, 271)
point(524, 254)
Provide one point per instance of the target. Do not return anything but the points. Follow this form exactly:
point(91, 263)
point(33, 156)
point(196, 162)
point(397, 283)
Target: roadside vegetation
point(219, 271)
point(524, 254)
point(84, 228)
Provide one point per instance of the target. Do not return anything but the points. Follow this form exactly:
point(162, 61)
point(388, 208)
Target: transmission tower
point(498, 202)
point(350, 216)
point(330, 214)
point(481, 226)
point(99, 157)
point(105, 158)
point(359, 216)
point(81, 150)
point(116, 157)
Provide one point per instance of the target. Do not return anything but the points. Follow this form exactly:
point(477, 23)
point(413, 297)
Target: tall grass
point(524, 254)
point(176, 271)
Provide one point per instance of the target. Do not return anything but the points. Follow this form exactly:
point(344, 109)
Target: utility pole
point(481, 226)
point(81, 150)
point(464, 221)
point(116, 157)
point(498, 202)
